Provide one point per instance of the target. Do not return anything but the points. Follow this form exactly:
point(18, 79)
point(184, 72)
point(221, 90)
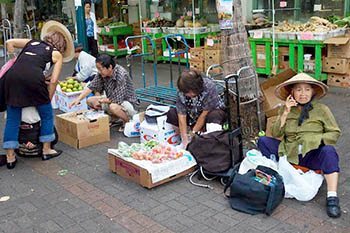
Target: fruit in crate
point(71, 85)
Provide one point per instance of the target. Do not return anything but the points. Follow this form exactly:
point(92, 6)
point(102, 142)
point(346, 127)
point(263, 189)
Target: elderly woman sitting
point(308, 133)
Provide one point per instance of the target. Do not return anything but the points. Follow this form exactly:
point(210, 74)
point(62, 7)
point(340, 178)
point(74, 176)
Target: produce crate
point(197, 53)
point(336, 65)
point(284, 57)
point(212, 56)
point(339, 80)
point(197, 64)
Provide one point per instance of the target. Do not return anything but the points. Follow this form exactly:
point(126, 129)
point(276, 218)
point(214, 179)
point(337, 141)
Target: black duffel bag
point(212, 151)
point(259, 190)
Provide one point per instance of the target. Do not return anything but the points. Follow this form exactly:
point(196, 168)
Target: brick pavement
point(92, 199)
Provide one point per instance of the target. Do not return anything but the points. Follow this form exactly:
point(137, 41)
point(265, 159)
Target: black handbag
point(259, 190)
point(212, 151)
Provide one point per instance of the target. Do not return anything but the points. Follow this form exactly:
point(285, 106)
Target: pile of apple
point(71, 85)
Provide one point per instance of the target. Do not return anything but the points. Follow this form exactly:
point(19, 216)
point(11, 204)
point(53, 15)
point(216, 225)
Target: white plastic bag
point(132, 128)
point(299, 185)
point(253, 159)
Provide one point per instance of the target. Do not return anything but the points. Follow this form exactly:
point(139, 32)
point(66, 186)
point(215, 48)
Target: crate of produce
point(197, 64)
point(197, 53)
point(339, 80)
point(212, 56)
point(335, 65)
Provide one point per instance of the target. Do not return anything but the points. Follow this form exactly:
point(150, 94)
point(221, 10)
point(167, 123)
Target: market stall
point(195, 20)
point(293, 45)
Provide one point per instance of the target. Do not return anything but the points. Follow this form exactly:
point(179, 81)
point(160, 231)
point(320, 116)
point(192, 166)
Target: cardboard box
point(335, 65)
point(338, 47)
point(63, 99)
point(339, 80)
point(272, 103)
point(197, 54)
point(260, 56)
point(283, 58)
point(197, 64)
point(78, 131)
point(147, 174)
point(162, 132)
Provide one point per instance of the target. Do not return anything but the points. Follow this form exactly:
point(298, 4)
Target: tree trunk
point(235, 55)
point(18, 23)
point(3, 11)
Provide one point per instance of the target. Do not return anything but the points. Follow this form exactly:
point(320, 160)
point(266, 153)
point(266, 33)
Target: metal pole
point(193, 23)
point(273, 36)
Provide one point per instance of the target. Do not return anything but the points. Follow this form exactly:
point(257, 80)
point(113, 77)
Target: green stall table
point(198, 39)
point(115, 33)
point(296, 55)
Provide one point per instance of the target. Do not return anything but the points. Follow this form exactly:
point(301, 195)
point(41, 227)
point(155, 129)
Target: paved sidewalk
point(90, 198)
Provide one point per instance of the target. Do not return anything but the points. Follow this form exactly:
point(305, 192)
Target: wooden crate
point(197, 53)
point(197, 64)
point(339, 80)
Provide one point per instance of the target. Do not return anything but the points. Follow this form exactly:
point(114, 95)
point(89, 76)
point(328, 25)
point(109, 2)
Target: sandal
point(51, 155)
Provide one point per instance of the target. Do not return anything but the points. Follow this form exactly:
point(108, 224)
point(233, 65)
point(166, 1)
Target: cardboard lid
point(337, 40)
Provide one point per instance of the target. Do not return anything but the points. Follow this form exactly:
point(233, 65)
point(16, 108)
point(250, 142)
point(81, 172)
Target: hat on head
point(283, 90)
point(52, 26)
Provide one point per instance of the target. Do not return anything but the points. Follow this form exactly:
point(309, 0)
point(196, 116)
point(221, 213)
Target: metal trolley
point(227, 82)
point(151, 92)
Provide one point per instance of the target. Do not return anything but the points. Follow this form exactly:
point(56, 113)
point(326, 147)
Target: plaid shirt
point(118, 88)
point(208, 100)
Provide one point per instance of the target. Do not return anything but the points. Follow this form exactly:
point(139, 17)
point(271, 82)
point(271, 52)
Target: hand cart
point(150, 92)
point(179, 39)
point(249, 87)
point(231, 79)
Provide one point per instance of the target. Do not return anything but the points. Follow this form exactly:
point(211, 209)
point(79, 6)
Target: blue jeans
point(324, 158)
point(13, 121)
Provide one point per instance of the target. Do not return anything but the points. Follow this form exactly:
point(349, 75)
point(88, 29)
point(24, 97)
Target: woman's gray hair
point(57, 40)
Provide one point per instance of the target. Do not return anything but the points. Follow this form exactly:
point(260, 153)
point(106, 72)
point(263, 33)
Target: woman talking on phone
point(308, 133)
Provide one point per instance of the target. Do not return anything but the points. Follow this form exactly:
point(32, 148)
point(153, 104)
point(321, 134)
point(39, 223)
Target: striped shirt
point(118, 88)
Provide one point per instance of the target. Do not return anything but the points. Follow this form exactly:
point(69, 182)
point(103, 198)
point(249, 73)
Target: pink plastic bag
point(7, 66)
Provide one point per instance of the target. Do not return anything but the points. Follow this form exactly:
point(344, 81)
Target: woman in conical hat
point(308, 133)
point(25, 84)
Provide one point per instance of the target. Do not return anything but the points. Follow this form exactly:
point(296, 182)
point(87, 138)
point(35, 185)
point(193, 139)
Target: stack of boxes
point(202, 58)
point(337, 62)
point(197, 58)
point(212, 56)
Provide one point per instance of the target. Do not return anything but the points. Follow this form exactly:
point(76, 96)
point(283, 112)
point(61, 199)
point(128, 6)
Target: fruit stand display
point(111, 38)
point(195, 34)
point(293, 43)
point(194, 19)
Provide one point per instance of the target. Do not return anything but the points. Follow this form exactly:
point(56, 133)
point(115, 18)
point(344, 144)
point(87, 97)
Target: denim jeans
point(13, 121)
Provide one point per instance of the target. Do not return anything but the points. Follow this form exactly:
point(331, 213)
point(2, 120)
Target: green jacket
point(320, 126)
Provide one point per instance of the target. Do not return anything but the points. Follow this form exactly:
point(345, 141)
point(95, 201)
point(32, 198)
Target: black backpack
point(30, 133)
point(259, 190)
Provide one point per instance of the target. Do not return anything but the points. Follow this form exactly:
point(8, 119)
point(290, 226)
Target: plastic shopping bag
point(299, 185)
point(253, 159)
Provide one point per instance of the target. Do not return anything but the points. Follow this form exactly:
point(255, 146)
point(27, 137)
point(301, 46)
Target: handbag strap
point(229, 182)
point(270, 199)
